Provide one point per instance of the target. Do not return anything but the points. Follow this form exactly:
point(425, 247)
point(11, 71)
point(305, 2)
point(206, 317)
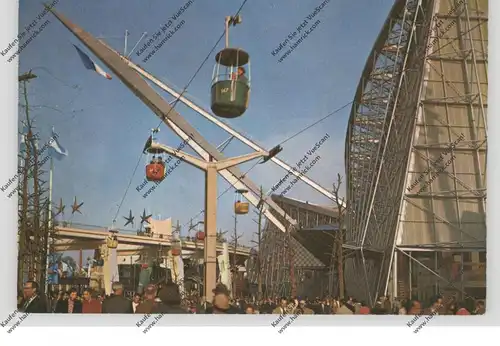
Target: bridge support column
point(110, 267)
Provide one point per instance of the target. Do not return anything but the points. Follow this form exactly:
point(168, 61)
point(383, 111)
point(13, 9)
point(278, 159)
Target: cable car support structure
point(229, 130)
point(135, 82)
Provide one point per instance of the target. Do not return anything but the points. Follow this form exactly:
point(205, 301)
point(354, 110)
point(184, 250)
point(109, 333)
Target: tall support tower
point(416, 155)
point(34, 228)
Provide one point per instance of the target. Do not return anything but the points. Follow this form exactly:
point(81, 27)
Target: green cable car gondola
point(231, 79)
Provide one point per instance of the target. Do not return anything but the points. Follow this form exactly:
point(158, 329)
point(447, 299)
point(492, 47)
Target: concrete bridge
point(131, 248)
point(71, 238)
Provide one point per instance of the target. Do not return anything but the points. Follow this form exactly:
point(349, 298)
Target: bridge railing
point(88, 227)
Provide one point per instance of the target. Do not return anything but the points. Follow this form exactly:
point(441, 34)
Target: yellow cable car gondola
point(240, 207)
point(112, 239)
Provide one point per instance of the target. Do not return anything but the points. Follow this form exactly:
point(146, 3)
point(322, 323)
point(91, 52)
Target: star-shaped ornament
point(144, 217)
point(76, 207)
point(60, 207)
point(130, 219)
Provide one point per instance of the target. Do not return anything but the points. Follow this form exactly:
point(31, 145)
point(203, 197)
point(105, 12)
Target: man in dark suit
point(72, 305)
point(33, 302)
point(267, 307)
point(146, 307)
point(220, 304)
point(117, 303)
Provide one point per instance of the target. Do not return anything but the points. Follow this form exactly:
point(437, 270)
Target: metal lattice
point(288, 268)
point(424, 85)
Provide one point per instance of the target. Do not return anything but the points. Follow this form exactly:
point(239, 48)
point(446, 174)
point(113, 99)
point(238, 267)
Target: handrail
point(168, 238)
point(229, 77)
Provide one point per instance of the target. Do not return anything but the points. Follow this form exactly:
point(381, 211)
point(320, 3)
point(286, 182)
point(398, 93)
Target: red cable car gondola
point(200, 235)
point(155, 170)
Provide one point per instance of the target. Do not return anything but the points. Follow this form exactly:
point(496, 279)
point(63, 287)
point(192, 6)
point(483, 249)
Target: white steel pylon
point(228, 129)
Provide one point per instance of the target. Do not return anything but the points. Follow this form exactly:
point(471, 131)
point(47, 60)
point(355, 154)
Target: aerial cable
point(75, 86)
point(317, 122)
point(284, 141)
point(200, 67)
point(128, 187)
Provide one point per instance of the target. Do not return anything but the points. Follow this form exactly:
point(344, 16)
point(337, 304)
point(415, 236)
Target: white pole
point(227, 31)
point(226, 275)
point(395, 275)
point(142, 36)
point(91, 262)
point(51, 173)
point(126, 40)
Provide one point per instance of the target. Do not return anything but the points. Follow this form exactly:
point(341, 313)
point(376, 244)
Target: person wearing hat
point(146, 307)
point(170, 300)
point(220, 304)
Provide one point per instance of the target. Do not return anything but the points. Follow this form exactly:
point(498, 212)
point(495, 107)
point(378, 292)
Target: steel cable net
point(418, 37)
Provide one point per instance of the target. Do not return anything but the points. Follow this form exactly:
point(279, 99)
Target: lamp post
point(210, 168)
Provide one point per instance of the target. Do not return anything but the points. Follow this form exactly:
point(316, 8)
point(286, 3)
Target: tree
point(234, 267)
point(258, 242)
point(221, 236)
point(337, 254)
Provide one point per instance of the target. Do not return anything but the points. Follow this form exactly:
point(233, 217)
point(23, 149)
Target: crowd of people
point(165, 298)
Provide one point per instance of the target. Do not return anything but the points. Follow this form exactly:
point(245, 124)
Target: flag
point(55, 148)
point(25, 133)
point(90, 65)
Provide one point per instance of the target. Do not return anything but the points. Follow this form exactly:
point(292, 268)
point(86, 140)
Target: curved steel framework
point(415, 153)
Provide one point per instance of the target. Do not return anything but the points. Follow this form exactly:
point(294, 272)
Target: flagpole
point(51, 172)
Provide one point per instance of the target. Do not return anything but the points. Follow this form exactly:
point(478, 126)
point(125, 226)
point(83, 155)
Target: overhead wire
point(74, 86)
point(282, 142)
point(128, 187)
point(184, 90)
point(177, 101)
point(57, 108)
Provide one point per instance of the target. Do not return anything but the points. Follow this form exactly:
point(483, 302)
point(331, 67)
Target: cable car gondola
point(240, 208)
point(200, 236)
point(112, 239)
point(155, 170)
point(231, 79)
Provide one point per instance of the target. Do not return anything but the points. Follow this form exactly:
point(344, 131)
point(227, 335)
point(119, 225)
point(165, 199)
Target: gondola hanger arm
point(234, 161)
point(192, 160)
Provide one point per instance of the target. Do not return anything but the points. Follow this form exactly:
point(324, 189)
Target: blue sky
point(104, 127)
